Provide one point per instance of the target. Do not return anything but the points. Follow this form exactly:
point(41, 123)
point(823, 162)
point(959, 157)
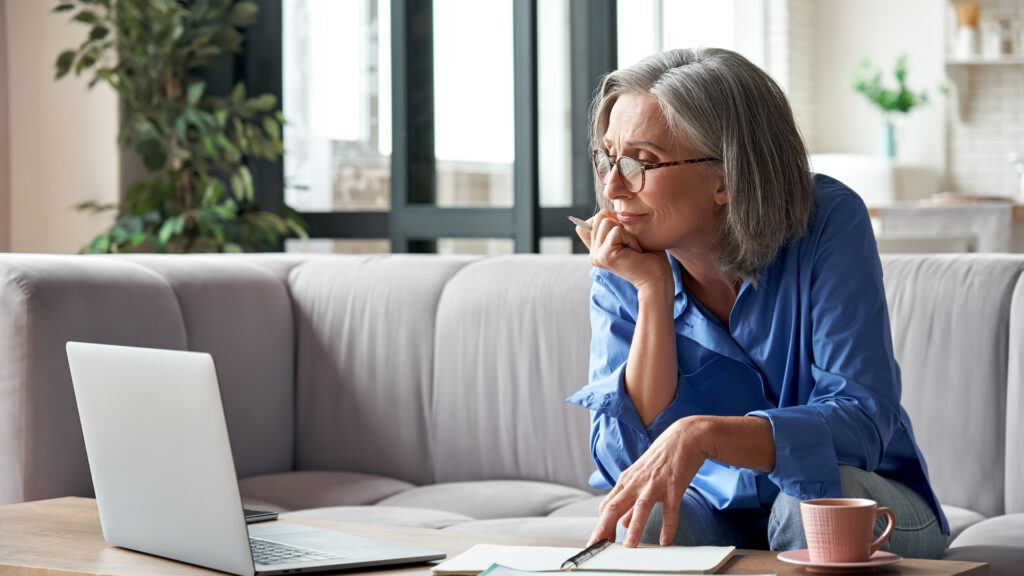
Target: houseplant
point(867, 81)
point(198, 195)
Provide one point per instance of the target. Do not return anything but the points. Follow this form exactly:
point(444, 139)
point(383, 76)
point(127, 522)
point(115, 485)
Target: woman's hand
point(662, 474)
point(617, 251)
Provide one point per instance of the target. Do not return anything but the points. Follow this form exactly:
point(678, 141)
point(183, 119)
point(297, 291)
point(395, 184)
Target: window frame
point(414, 222)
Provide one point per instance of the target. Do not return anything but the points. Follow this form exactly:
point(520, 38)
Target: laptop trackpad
point(326, 540)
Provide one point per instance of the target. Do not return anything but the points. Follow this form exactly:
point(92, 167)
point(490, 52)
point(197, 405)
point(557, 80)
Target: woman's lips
point(627, 217)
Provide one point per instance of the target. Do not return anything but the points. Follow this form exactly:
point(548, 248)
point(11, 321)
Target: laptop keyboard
point(268, 552)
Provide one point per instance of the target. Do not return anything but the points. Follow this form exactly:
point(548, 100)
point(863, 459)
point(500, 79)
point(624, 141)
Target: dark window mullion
point(594, 53)
point(527, 179)
point(413, 173)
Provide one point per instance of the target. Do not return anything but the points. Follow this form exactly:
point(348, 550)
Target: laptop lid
point(159, 454)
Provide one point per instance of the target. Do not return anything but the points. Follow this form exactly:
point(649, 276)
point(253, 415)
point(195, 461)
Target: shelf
point(959, 72)
point(984, 61)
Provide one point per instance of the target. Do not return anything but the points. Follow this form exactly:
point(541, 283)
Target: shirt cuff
point(805, 457)
point(608, 396)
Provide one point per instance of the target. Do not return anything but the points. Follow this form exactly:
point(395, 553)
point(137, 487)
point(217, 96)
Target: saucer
point(803, 558)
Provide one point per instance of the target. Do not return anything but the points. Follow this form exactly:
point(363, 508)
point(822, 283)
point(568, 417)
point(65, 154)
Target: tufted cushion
point(312, 489)
point(548, 527)
point(489, 499)
point(513, 337)
point(365, 339)
point(386, 515)
point(254, 352)
point(950, 321)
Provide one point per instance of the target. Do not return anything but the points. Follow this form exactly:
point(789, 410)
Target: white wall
point(62, 136)
point(5, 183)
point(881, 30)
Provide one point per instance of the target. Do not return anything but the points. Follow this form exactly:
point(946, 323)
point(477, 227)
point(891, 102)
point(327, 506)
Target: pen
point(589, 552)
point(581, 223)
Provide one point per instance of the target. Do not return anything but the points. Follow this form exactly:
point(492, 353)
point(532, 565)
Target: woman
point(741, 356)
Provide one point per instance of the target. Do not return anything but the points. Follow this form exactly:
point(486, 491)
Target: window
point(649, 26)
point(433, 125)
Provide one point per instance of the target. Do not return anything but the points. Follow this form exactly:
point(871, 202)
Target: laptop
point(165, 479)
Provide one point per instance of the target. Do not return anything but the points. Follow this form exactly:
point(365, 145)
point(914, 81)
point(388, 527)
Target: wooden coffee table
point(62, 537)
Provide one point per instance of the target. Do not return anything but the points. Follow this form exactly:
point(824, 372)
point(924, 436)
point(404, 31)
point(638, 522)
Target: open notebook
point(614, 558)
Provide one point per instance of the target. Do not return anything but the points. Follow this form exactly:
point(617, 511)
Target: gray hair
point(723, 106)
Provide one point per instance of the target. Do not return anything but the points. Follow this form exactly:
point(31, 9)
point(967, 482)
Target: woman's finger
point(638, 519)
point(625, 519)
point(670, 520)
point(584, 236)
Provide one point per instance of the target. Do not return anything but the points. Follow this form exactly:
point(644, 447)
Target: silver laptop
point(165, 478)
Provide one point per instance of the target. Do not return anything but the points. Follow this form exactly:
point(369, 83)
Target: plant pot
point(887, 138)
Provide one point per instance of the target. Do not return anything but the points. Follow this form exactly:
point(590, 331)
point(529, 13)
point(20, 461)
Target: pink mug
point(840, 529)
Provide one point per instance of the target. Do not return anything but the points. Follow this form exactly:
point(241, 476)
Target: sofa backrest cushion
point(950, 322)
point(365, 337)
point(513, 338)
point(1015, 406)
point(241, 313)
point(44, 302)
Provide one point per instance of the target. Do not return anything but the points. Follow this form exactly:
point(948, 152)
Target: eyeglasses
point(632, 172)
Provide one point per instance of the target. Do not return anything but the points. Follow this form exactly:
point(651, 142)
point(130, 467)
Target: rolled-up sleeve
point(617, 434)
point(848, 412)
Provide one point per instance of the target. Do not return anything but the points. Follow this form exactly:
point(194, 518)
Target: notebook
point(614, 558)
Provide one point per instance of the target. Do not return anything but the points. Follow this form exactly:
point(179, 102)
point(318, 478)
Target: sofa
point(429, 390)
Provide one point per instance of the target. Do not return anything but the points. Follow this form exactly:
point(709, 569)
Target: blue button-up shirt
point(809, 349)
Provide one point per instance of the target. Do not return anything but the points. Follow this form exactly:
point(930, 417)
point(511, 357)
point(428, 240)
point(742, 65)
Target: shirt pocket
point(721, 387)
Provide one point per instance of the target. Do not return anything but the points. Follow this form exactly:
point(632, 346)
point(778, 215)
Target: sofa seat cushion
point(586, 507)
point(316, 489)
point(386, 515)
point(1005, 530)
point(960, 519)
point(487, 499)
point(1002, 560)
point(578, 527)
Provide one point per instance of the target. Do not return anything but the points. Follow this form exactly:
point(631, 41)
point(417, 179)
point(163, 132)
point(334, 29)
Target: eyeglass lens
point(630, 171)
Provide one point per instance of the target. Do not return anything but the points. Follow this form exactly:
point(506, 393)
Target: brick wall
point(979, 144)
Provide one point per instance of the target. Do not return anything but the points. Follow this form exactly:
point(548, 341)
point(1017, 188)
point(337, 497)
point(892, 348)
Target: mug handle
point(888, 529)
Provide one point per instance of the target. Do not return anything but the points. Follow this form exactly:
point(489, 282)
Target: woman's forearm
point(740, 441)
point(651, 368)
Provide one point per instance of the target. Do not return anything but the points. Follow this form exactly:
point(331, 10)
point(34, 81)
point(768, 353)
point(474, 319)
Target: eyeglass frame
point(644, 167)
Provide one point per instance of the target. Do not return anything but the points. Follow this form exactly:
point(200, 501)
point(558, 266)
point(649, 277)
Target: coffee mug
point(840, 529)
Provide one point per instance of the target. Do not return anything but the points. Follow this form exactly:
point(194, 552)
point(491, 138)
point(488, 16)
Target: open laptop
point(165, 479)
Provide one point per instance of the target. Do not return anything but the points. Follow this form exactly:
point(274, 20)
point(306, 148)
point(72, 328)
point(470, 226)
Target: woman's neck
point(716, 289)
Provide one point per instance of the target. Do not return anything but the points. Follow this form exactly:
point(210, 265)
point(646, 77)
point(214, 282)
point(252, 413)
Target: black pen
point(589, 552)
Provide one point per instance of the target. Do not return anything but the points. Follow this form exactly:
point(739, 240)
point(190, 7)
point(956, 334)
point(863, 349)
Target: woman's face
point(679, 206)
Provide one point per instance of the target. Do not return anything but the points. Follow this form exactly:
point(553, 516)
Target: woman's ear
point(721, 196)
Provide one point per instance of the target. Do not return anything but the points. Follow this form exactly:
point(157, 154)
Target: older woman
point(741, 356)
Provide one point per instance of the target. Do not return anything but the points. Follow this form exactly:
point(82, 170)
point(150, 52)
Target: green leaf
point(272, 128)
point(64, 62)
point(64, 7)
point(98, 33)
point(195, 92)
point(100, 245)
point(238, 93)
point(264, 103)
point(243, 14)
point(88, 17)
point(166, 231)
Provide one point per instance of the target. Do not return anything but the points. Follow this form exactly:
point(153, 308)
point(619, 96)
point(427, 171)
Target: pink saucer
point(803, 558)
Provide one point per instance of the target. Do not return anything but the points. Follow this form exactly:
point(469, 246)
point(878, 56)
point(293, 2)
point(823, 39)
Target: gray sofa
point(429, 391)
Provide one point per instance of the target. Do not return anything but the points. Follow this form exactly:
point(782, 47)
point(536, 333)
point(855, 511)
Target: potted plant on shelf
point(198, 195)
point(867, 81)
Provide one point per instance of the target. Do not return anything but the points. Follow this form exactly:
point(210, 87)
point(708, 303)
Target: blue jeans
point(917, 533)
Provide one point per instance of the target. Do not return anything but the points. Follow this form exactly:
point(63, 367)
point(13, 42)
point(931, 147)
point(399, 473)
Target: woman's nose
point(614, 188)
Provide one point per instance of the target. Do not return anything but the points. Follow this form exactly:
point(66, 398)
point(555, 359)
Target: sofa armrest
point(44, 302)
